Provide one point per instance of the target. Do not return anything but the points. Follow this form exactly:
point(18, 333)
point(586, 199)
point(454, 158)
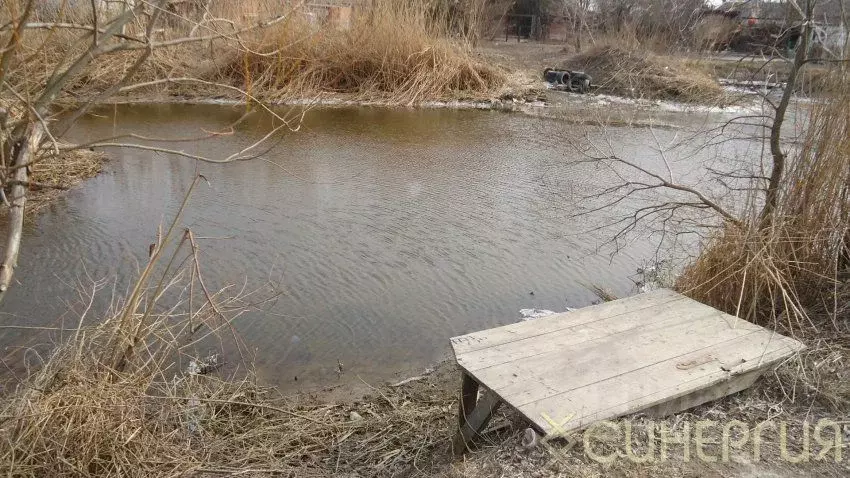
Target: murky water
point(387, 231)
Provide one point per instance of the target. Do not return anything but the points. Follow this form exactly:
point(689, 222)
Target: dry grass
point(388, 50)
point(78, 417)
point(393, 51)
point(55, 174)
point(88, 420)
point(637, 73)
point(792, 273)
point(117, 399)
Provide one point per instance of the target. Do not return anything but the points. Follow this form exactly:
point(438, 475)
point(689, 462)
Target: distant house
point(827, 12)
point(774, 26)
point(756, 11)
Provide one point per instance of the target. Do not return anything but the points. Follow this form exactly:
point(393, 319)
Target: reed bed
point(399, 52)
point(393, 51)
point(791, 269)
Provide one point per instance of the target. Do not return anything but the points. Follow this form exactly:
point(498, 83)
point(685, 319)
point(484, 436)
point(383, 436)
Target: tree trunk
point(772, 195)
point(845, 28)
point(24, 152)
point(577, 31)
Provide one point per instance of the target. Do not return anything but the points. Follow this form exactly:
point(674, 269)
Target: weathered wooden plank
point(730, 385)
point(642, 389)
point(620, 327)
point(535, 328)
point(534, 377)
point(737, 356)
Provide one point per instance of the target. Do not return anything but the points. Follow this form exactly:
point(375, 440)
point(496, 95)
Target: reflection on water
point(388, 231)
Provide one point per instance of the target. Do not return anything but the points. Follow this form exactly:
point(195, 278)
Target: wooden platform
point(658, 352)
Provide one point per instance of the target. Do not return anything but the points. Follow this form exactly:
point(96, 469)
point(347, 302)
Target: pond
point(385, 231)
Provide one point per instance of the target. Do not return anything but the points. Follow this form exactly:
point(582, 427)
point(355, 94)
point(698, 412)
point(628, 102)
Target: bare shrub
point(670, 21)
point(714, 32)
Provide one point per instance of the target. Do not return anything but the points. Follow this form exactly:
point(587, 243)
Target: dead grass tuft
point(55, 174)
point(80, 417)
point(392, 51)
point(634, 72)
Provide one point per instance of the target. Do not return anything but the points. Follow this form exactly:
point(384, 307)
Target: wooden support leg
point(468, 398)
point(473, 414)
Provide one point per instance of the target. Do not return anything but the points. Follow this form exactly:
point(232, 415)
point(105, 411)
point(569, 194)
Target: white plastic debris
point(530, 439)
point(193, 422)
point(528, 314)
point(531, 314)
point(204, 366)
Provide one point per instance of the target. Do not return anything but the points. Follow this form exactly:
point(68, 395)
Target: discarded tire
point(563, 77)
point(579, 82)
point(575, 81)
point(557, 77)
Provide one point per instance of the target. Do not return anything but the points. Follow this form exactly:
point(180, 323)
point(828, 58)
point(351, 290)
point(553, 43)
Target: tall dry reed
point(391, 50)
point(396, 51)
point(792, 272)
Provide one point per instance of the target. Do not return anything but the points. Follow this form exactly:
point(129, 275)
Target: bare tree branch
point(94, 22)
point(14, 39)
point(71, 26)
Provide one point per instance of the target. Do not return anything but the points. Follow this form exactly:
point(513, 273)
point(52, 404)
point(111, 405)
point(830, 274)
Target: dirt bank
point(804, 390)
point(205, 425)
